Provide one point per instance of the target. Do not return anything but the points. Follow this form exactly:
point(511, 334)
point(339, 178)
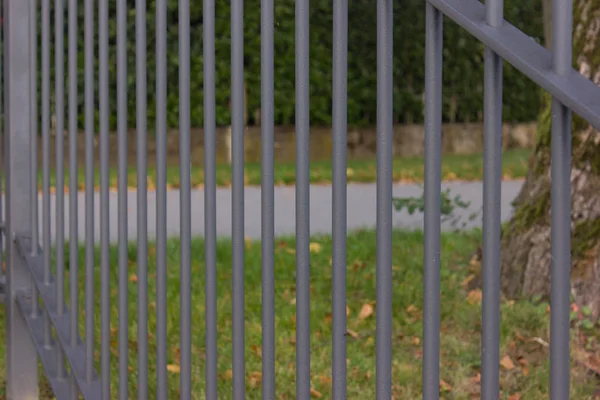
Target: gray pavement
point(361, 209)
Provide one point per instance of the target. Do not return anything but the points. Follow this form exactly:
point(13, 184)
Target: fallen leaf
point(515, 396)
point(349, 171)
point(315, 247)
point(467, 280)
point(445, 386)
point(177, 355)
point(574, 307)
point(229, 374)
point(411, 309)
point(316, 393)
point(255, 378)
point(474, 296)
point(248, 242)
point(507, 363)
point(257, 350)
point(366, 311)
point(174, 368)
point(347, 311)
point(523, 361)
point(133, 278)
point(352, 333)
point(291, 251)
point(325, 380)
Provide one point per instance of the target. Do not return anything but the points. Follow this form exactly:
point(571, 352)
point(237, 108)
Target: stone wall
point(456, 139)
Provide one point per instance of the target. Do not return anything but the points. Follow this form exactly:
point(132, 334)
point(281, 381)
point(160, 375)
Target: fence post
point(21, 356)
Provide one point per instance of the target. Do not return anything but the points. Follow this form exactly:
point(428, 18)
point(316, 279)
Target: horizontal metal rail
point(574, 90)
point(75, 355)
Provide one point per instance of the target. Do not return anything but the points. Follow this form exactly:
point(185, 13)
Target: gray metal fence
point(48, 330)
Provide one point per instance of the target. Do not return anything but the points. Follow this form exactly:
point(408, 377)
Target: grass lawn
point(408, 170)
point(524, 332)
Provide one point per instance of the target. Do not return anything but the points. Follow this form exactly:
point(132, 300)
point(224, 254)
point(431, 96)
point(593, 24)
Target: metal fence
point(47, 329)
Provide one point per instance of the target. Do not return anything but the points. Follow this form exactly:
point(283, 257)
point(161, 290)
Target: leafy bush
point(462, 71)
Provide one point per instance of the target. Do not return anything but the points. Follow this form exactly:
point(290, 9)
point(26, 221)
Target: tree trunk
point(526, 258)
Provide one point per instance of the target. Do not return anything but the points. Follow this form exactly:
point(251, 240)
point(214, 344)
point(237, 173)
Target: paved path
point(361, 209)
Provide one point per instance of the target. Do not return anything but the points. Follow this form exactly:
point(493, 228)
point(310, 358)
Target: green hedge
point(462, 71)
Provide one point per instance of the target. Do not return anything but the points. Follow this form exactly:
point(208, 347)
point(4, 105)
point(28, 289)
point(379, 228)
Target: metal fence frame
point(29, 323)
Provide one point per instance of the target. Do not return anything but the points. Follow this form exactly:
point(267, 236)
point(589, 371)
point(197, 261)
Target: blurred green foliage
point(462, 70)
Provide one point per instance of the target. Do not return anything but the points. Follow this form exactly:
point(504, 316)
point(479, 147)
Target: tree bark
point(526, 257)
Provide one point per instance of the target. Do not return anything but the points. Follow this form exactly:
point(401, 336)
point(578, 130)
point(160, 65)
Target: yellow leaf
point(416, 340)
point(450, 176)
point(507, 363)
point(174, 368)
point(347, 311)
point(366, 311)
point(316, 393)
point(349, 172)
point(474, 296)
point(133, 278)
point(291, 251)
point(248, 242)
point(315, 247)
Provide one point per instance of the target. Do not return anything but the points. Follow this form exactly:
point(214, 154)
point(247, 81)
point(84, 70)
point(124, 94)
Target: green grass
point(454, 167)
point(460, 322)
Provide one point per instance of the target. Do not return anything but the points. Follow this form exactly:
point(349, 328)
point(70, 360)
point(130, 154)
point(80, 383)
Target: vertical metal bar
point(122, 197)
point(161, 196)
point(302, 201)
point(210, 198)
point(492, 180)
point(142, 197)
point(73, 182)
point(384, 197)
point(46, 153)
point(562, 12)
point(89, 189)
point(338, 212)
point(73, 174)
point(33, 156)
point(185, 346)
point(21, 356)
point(432, 193)
point(104, 203)
point(267, 198)
point(237, 133)
point(60, 166)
